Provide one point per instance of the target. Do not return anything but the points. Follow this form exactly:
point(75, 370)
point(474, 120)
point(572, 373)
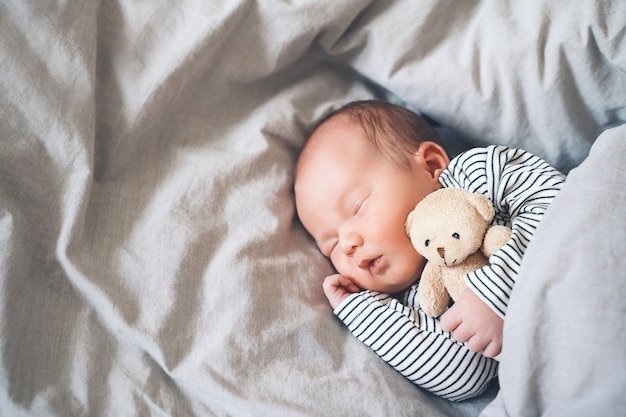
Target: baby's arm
point(521, 186)
point(415, 345)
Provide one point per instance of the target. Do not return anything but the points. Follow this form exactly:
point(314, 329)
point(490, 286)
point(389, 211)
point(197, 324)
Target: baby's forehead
point(336, 130)
point(332, 126)
point(323, 136)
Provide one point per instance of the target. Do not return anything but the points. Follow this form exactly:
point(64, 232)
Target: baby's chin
point(400, 284)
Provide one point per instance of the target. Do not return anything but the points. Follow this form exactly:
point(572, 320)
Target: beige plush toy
point(450, 228)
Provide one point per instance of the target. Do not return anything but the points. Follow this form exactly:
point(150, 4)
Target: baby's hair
point(391, 129)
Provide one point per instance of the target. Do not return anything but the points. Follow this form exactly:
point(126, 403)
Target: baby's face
point(354, 203)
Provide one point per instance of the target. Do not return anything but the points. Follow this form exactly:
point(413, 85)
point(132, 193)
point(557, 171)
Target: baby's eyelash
point(360, 203)
point(358, 206)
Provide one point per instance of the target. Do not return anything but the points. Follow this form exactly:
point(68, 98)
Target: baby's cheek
point(418, 262)
point(340, 265)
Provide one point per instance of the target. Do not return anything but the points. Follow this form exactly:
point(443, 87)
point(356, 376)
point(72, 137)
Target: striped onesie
point(520, 186)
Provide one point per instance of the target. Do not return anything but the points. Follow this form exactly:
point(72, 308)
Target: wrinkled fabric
point(575, 276)
point(151, 262)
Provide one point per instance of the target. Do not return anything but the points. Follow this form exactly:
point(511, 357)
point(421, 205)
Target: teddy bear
point(450, 228)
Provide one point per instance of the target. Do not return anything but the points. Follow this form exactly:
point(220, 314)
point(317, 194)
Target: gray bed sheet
point(151, 262)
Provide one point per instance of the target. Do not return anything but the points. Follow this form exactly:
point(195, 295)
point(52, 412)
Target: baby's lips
point(375, 265)
point(364, 263)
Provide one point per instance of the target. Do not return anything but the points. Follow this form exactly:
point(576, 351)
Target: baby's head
point(360, 173)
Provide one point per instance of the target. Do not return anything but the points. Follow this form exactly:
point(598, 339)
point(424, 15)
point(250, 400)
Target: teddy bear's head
point(449, 224)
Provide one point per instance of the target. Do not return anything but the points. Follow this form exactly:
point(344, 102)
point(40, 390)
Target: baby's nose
point(441, 251)
point(348, 245)
point(349, 240)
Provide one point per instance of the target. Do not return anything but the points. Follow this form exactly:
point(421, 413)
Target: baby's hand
point(337, 288)
point(471, 320)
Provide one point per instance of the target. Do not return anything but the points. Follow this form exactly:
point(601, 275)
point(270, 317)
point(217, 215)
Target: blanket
point(152, 263)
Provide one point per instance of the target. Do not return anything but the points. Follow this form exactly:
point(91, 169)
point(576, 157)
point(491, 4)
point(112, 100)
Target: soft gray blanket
point(151, 262)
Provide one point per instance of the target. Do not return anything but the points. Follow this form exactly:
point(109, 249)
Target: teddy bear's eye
point(427, 242)
point(455, 235)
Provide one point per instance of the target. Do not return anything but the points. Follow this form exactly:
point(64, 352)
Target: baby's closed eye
point(357, 207)
point(360, 205)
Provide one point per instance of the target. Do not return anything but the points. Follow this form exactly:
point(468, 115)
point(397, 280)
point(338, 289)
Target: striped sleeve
point(415, 345)
point(521, 186)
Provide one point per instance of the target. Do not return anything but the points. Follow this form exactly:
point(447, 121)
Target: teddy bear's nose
point(442, 252)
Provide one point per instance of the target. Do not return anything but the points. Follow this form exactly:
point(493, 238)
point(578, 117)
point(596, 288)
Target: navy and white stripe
point(415, 345)
point(521, 186)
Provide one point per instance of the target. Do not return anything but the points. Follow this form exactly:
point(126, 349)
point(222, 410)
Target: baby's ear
point(435, 157)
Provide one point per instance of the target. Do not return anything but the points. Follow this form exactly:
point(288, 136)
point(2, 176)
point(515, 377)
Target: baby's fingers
point(477, 343)
point(489, 347)
point(337, 289)
point(450, 320)
point(348, 284)
point(493, 349)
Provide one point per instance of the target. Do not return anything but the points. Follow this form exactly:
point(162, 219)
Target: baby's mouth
point(374, 264)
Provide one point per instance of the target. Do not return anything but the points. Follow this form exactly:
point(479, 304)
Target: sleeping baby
point(360, 173)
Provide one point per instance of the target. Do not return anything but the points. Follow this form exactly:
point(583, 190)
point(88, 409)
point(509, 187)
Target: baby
point(362, 170)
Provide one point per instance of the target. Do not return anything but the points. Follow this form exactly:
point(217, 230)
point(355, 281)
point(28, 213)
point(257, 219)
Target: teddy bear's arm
point(433, 296)
point(495, 238)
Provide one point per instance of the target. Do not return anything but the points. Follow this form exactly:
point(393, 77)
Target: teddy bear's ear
point(483, 206)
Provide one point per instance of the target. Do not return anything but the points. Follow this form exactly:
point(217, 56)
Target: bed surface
point(151, 262)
